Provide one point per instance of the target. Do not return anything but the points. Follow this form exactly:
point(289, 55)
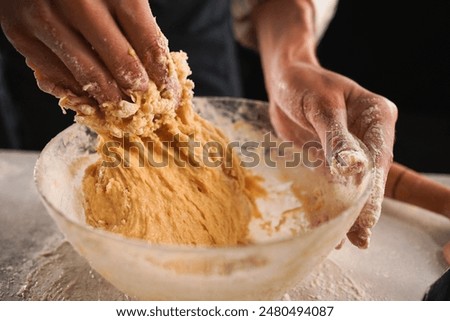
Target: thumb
point(343, 152)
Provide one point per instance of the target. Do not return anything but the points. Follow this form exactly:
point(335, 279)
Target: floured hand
point(308, 101)
point(90, 52)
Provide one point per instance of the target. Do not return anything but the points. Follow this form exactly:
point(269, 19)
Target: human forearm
point(285, 33)
point(307, 102)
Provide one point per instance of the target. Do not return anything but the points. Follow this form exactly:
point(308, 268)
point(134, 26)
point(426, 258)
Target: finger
point(51, 74)
point(328, 117)
point(50, 80)
point(94, 21)
point(373, 120)
point(287, 129)
point(75, 53)
point(150, 44)
point(43, 61)
point(360, 232)
point(340, 244)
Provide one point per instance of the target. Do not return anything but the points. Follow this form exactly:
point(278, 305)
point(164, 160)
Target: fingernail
point(349, 162)
point(341, 243)
point(360, 238)
point(360, 243)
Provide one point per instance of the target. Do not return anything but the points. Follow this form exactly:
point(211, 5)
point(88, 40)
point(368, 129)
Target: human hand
point(90, 52)
point(308, 101)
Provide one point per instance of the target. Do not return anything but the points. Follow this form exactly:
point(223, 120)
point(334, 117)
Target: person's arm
point(89, 51)
point(307, 101)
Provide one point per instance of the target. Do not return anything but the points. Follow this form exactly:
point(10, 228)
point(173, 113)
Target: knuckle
point(84, 5)
point(38, 13)
point(373, 110)
point(371, 100)
point(92, 82)
point(102, 89)
point(390, 108)
point(131, 75)
point(75, 8)
point(385, 108)
point(131, 8)
point(126, 6)
point(155, 50)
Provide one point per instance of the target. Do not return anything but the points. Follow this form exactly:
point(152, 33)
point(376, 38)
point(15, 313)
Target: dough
point(185, 202)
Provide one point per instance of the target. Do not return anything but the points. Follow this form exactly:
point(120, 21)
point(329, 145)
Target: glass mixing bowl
point(306, 213)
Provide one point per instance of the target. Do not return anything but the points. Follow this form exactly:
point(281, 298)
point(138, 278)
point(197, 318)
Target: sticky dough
point(185, 202)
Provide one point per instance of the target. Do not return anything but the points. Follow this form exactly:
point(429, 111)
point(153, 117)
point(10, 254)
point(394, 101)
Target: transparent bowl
point(288, 241)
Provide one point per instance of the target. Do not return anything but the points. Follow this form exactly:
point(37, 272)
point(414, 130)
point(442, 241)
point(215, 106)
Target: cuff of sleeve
point(244, 31)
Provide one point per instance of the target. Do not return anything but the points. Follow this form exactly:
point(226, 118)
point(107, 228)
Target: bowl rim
point(173, 248)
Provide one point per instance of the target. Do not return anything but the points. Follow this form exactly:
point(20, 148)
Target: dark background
point(399, 49)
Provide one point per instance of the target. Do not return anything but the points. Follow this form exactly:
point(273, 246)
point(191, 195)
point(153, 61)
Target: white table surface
point(36, 263)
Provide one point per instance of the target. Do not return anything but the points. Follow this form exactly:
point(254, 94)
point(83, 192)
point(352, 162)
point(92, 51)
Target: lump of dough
point(191, 204)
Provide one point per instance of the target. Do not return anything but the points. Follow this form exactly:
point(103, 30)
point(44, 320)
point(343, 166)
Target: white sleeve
point(324, 12)
point(244, 31)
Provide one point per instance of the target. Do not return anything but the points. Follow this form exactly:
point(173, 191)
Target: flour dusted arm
point(308, 102)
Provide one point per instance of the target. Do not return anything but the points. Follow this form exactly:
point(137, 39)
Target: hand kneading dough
point(185, 202)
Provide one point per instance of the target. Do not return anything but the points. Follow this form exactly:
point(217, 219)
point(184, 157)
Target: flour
point(61, 274)
point(329, 282)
